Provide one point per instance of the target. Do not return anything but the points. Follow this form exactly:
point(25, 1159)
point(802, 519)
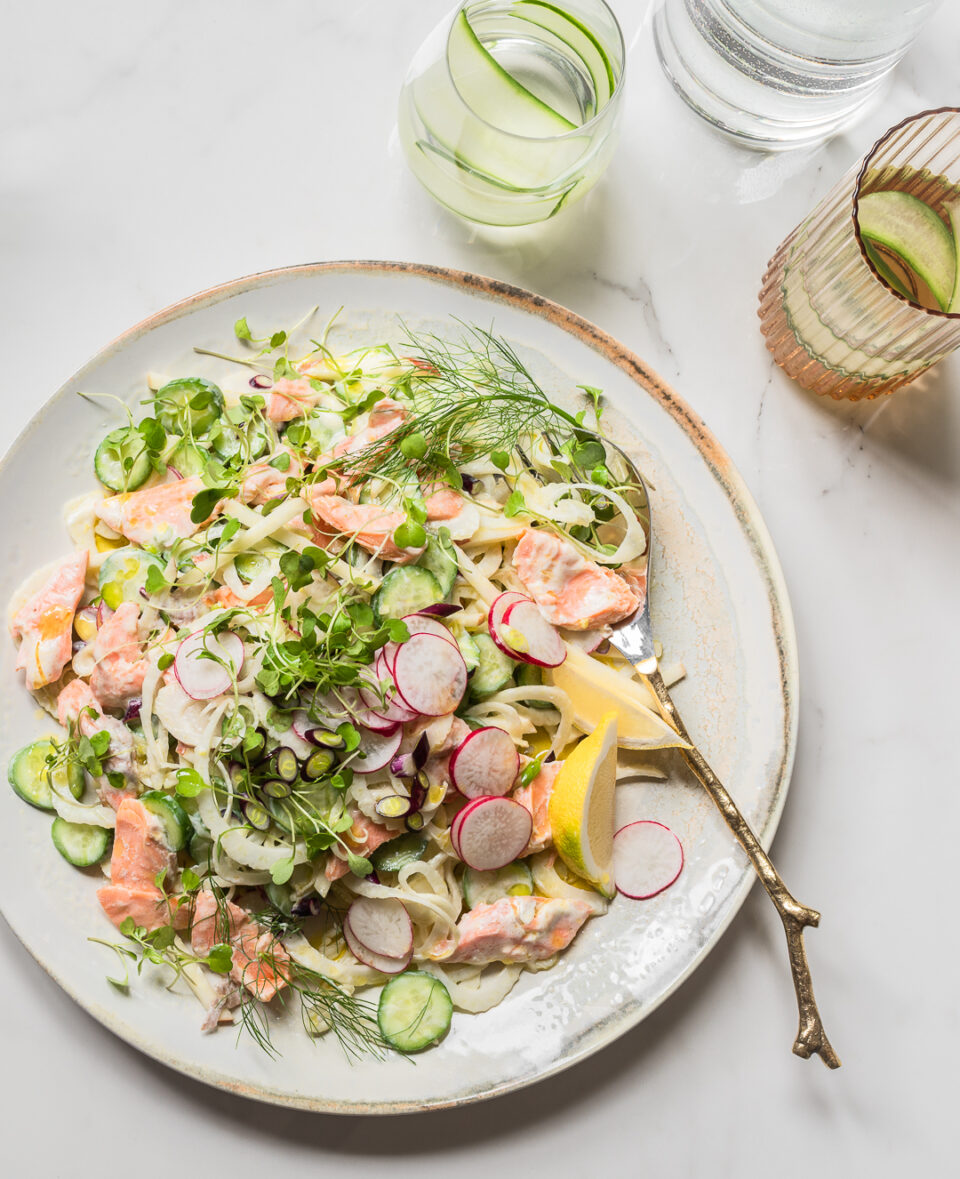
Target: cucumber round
point(123, 574)
point(200, 848)
point(80, 844)
point(188, 405)
point(528, 675)
point(469, 650)
point(494, 669)
point(440, 559)
point(177, 827)
point(415, 1011)
point(405, 590)
point(483, 888)
point(121, 461)
point(29, 775)
point(187, 459)
point(392, 856)
point(249, 566)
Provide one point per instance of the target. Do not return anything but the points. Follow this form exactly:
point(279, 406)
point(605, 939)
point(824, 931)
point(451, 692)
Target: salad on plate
point(337, 707)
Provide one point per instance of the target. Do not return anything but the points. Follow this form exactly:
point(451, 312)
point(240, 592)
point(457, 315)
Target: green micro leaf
point(241, 329)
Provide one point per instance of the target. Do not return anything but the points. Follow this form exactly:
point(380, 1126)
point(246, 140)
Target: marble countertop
point(153, 150)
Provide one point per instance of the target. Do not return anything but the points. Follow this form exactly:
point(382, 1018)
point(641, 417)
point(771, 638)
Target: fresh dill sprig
point(471, 397)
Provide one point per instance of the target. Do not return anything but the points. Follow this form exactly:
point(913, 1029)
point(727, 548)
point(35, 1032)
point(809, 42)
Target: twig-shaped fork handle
point(811, 1037)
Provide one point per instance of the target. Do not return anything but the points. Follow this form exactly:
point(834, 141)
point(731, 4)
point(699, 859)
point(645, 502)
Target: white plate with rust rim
point(719, 604)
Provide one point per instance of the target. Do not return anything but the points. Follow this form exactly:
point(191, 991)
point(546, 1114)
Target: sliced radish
point(431, 675)
point(378, 694)
point(206, 664)
point(495, 615)
point(485, 763)
point(302, 724)
point(647, 858)
point(492, 832)
point(527, 636)
point(586, 640)
point(455, 824)
point(382, 925)
point(383, 665)
point(385, 963)
point(423, 624)
point(376, 750)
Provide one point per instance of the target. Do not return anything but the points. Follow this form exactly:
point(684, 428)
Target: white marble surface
point(149, 151)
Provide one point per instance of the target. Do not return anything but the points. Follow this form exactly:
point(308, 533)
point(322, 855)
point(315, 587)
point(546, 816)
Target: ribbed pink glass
point(830, 320)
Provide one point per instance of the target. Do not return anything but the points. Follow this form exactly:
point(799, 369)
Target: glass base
point(752, 91)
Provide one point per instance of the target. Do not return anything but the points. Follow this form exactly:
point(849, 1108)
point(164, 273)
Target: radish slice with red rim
point(378, 694)
point(207, 664)
point(430, 674)
point(423, 624)
point(647, 858)
point(374, 926)
point(485, 763)
point(527, 636)
point(498, 607)
point(376, 750)
point(493, 832)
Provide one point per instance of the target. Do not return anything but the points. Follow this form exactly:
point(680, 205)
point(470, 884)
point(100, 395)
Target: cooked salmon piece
point(364, 837)
point(155, 516)
point(44, 623)
point(118, 674)
point(384, 418)
point(289, 399)
point(77, 704)
point(263, 482)
point(536, 798)
point(259, 960)
point(515, 929)
point(570, 590)
point(224, 596)
point(139, 856)
point(370, 525)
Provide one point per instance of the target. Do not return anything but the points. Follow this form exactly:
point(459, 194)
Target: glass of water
point(510, 108)
point(783, 73)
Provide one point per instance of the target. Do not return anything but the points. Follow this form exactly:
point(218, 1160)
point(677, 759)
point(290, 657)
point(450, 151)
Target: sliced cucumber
point(177, 827)
point(415, 1011)
point(200, 847)
point(483, 888)
point(187, 459)
point(319, 431)
point(249, 566)
point(912, 230)
point(528, 675)
point(392, 856)
point(494, 669)
point(123, 574)
point(576, 36)
point(30, 777)
point(280, 897)
point(121, 461)
point(493, 94)
point(405, 590)
point(953, 212)
point(188, 405)
point(440, 559)
point(80, 844)
point(469, 650)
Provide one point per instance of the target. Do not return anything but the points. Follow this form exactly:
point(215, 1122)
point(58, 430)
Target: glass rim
point(587, 127)
point(857, 185)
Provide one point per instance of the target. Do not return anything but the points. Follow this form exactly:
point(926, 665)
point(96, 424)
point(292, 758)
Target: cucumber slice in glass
point(177, 827)
point(121, 461)
point(30, 777)
point(414, 1012)
point(576, 36)
point(493, 94)
point(188, 405)
point(953, 212)
point(910, 229)
point(80, 844)
point(483, 888)
point(123, 574)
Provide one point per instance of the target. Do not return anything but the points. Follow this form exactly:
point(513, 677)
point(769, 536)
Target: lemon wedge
point(581, 806)
point(595, 689)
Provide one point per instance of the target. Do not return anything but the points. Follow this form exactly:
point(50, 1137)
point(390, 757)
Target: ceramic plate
point(719, 605)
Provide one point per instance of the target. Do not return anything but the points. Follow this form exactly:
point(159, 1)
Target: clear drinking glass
point(830, 319)
point(783, 73)
point(510, 108)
